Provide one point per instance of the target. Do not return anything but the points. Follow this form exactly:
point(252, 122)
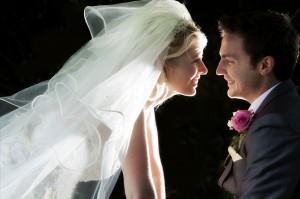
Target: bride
point(95, 117)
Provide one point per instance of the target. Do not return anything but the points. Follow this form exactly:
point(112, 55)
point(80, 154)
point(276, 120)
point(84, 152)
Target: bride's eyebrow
point(196, 55)
point(192, 56)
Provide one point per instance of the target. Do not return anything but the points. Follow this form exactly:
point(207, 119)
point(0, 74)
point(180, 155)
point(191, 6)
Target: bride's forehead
point(194, 51)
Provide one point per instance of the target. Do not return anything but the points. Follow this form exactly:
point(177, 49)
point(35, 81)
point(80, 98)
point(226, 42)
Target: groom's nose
point(220, 68)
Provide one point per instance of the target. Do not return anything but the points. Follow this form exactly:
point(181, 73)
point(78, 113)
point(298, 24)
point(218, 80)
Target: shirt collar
point(254, 106)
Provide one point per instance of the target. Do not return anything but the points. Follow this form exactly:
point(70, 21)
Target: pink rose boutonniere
point(240, 121)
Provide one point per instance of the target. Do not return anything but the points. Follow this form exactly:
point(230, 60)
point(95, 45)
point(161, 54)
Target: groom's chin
point(233, 96)
point(236, 97)
point(230, 94)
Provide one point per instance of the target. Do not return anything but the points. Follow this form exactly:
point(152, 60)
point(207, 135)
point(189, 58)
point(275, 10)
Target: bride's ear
point(166, 66)
point(163, 75)
point(165, 71)
point(267, 65)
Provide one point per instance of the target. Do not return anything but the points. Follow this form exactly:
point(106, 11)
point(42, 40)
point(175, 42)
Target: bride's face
point(183, 72)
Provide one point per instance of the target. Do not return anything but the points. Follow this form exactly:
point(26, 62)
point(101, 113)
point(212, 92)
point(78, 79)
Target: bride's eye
point(196, 62)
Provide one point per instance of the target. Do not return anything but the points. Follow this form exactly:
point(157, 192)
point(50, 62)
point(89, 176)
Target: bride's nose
point(202, 68)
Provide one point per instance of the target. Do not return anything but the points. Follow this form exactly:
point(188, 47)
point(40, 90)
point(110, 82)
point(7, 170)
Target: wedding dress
point(76, 126)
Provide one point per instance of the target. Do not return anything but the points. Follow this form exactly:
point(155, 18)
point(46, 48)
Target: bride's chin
point(190, 93)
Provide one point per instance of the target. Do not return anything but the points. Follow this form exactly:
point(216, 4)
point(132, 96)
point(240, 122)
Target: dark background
point(38, 36)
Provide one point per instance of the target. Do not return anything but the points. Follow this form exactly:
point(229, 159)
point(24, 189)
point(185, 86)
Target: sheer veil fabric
point(76, 126)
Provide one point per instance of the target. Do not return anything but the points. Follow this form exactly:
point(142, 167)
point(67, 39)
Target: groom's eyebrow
point(228, 56)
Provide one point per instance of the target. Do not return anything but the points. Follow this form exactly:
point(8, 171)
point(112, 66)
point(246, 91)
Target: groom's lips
point(229, 82)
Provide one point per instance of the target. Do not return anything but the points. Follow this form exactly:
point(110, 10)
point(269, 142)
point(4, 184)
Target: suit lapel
point(283, 87)
point(228, 166)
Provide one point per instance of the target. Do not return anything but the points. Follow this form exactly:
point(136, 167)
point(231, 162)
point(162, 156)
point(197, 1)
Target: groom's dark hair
point(266, 33)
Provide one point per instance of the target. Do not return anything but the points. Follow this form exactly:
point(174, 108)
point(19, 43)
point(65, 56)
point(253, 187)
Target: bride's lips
point(194, 81)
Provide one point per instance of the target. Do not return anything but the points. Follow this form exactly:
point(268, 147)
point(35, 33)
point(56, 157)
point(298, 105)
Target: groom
point(258, 53)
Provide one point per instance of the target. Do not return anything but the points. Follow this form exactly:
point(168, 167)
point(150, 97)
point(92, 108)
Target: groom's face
point(242, 77)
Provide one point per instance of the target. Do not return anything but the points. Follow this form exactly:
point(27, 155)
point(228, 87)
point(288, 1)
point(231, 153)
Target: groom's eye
point(229, 62)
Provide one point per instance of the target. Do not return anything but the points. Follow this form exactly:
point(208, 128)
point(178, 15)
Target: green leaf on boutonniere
point(237, 141)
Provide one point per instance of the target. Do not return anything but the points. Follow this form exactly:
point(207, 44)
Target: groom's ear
point(267, 65)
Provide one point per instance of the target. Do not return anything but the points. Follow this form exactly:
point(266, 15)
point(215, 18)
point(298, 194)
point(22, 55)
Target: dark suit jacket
point(270, 168)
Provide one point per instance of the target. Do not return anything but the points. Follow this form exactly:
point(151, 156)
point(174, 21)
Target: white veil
point(76, 127)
